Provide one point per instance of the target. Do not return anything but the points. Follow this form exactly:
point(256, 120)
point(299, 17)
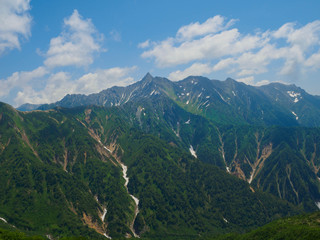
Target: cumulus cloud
point(211, 46)
point(195, 69)
point(144, 44)
point(314, 60)
point(103, 79)
point(247, 80)
point(210, 40)
point(60, 84)
point(287, 51)
point(304, 37)
point(15, 23)
point(76, 45)
point(212, 25)
point(20, 80)
point(262, 82)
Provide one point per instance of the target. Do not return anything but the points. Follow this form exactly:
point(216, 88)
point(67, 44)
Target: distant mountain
point(303, 106)
point(226, 102)
point(28, 107)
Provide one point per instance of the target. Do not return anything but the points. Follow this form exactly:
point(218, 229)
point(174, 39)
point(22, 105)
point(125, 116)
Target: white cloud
point(103, 79)
point(313, 60)
point(303, 37)
point(247, 55)
point(263, 82)
point(144, 44)
point(60, 84)
point(76, 45)
point(211, 46)
point(15, 23)
point(212, 25)
point(20, 80)
point(247, 80)
point(195, 69)
point(210, 40)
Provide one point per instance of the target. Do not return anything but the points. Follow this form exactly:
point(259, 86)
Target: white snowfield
point(192, 151)
point(136, 200)
point(104, 214)
point(296, 96)
point(295, 115)
point(2, 219)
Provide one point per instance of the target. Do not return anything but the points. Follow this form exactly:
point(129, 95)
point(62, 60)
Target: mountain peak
point(230, 80)
point(147, 77)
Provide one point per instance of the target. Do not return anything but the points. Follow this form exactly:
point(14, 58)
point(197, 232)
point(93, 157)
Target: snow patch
point(107, 236)
point(124, 174)
point(207, 97)
point(106, 148)
point(200, 95)
point(187, 102)
point(221, 96)
point(188, 94)
point(193, 153)
point(234, 93)
point(225, 220)
point(187, 122)
point(228, 169)
point(136, 200)
point(2, 219)
point(177, 134)
point(104, 214)
point(50, 237)
point(294, 95)
point(251, 177)
point(317, 204)
point(205, 102)
point(295, 115)
point(152, 92)
point(130, 95)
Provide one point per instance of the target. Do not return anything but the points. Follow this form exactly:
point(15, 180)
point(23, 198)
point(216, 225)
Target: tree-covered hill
point(61, 175)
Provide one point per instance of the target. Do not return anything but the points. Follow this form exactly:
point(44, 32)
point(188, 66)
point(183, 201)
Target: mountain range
point(225, 102)
point(161, 159)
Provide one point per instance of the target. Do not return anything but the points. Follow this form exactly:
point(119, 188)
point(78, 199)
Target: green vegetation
point(51, 174)
point(180, 195)
point(56, 178)
point(305, 227)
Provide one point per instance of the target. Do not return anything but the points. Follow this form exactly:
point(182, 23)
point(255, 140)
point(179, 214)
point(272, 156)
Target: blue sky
point(51, 48)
